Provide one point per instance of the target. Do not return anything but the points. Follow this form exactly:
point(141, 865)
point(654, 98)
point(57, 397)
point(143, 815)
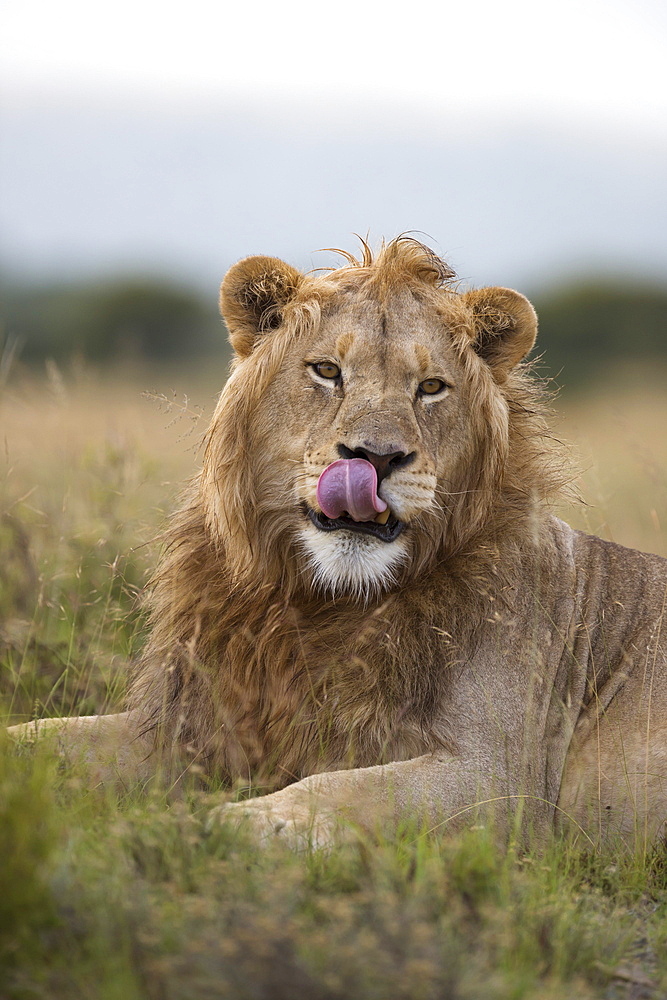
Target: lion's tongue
point(350, 486)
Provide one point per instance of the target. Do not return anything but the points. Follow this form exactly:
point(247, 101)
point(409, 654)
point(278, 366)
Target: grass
point(108, 896)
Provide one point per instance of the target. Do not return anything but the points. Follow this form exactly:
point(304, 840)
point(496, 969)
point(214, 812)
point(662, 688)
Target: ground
point(124, 894)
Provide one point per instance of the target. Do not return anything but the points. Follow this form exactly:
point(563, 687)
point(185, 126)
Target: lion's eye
point(326, 369)
point(431, 386)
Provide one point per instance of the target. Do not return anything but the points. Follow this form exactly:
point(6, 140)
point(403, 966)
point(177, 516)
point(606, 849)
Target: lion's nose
point(385, 460)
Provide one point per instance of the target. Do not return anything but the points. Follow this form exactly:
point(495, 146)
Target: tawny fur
point(247, 664)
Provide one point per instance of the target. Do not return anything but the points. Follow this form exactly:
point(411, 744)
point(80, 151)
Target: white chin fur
point(346, 562)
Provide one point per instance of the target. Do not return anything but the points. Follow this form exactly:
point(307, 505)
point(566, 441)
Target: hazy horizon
point(528, 143)
point(94, 187)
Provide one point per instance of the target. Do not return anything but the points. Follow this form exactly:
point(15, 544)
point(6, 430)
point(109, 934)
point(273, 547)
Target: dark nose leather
point(384, 461)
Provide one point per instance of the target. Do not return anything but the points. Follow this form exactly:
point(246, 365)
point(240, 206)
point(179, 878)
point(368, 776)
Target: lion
point(366, 606)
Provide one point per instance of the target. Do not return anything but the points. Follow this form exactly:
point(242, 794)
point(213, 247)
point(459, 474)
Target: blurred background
point(147, 146)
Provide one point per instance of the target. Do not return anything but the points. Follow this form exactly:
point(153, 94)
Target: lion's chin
point(352, 563)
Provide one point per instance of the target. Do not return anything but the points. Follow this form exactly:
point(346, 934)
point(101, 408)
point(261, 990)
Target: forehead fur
point(403, 263)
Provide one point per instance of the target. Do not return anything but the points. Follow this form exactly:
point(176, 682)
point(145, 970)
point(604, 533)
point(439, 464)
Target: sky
point(601, 58)
point(525, 139)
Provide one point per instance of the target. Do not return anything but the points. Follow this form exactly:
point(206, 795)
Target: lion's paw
point(297, 824)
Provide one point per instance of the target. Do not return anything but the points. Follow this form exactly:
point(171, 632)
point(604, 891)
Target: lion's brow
point(344, 343)
point(423, 356)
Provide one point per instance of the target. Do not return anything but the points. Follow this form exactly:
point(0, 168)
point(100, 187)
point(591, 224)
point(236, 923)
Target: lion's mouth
point(387, 532)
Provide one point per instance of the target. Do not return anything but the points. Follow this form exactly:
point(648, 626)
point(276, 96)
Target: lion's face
point(388, 386)
point(380, 382)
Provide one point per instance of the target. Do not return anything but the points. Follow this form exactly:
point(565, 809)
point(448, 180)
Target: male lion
point(365, 597)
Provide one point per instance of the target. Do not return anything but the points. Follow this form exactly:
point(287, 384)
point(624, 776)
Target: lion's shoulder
point(617, 570)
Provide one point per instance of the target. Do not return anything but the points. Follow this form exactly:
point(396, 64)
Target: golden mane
point(234, 617)
point(402, 260)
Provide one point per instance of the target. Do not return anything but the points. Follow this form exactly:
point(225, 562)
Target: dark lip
point(388, 532)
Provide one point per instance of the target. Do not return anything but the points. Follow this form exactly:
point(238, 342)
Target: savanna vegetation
point(110, 320)
point(122, 893)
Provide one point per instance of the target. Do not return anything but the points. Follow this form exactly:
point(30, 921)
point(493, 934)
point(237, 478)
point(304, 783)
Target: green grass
point(108, 896)
point(132, 898)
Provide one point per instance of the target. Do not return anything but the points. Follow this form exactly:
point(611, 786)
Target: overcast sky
point(523, 135)
point(574, 57)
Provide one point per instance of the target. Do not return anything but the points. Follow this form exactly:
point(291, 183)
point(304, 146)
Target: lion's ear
point(505, 326)
point(252, 296)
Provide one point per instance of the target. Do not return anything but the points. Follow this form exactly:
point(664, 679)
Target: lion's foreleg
point(112, 748)
point(436, 789)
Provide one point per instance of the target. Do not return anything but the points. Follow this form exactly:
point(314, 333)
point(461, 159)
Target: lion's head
point(382, 366)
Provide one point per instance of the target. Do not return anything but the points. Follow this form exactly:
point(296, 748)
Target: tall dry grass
point(124, 896)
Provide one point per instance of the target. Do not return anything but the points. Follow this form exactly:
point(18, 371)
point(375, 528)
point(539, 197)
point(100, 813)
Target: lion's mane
point(238, 666)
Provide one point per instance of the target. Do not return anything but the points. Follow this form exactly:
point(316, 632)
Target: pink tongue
point(350, 486)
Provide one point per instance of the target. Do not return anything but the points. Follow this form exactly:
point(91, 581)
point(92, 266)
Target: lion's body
point(471, 647)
